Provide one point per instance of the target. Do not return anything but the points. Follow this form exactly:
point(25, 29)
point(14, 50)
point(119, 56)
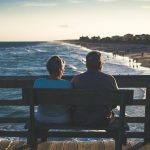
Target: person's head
point(94, 61)
point(55, 66)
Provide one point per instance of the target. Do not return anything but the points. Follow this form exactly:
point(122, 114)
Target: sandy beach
point(138, 52)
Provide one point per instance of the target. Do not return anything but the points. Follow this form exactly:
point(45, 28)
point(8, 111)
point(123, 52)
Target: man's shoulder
point(79, 76)
point(108, 76)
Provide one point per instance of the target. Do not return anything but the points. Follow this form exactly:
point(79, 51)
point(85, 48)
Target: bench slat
point(13, 119)
point(76, 97)
point(81, 134)
point(13, 133)
point(17, 102)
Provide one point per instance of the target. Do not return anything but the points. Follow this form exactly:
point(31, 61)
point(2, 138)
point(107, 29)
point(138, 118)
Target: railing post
point(28, 98)
point(147, 116)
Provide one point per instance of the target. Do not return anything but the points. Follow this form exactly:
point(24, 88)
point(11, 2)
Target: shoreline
point(138, 52)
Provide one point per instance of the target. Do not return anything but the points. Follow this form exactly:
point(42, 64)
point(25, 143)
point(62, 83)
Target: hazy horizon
point(48, 20)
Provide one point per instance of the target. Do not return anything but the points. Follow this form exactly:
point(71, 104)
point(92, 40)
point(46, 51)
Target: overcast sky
point(46, 20)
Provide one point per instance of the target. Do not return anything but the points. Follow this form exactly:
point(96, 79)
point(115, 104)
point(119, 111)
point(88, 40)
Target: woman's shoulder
point(40, 81)
point(66, 83)
point(46, 83)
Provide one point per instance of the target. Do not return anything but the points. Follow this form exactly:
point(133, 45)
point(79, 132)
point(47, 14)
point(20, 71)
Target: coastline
point(138, 52)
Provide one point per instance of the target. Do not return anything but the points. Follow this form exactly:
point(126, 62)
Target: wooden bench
point(35, 97)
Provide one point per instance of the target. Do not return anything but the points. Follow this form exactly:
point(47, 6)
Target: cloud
point(146, 7)
point(106, 1)
point(63, 26)
point(39, 4)
point(76, 1)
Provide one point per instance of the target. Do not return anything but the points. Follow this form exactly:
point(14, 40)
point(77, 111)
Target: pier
point(73, 145)
point(134, 81)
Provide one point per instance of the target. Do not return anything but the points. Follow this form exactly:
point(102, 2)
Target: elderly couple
point(93, 78)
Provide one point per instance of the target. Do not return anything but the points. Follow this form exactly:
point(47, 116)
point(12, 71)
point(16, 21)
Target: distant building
point(128, 37)
point(116, 38)
point(142, 37)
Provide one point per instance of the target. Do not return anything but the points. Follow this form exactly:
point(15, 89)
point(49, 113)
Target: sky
point(47, 20)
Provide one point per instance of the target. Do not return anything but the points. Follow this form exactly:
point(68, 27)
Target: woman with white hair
point(53, 114)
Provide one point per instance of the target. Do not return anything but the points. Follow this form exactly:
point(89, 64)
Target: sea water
point(30, 60)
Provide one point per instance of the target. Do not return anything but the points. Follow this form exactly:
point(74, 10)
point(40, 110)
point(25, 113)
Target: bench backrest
point(76, 97)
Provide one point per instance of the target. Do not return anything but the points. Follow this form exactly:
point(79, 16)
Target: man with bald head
point(93, 78)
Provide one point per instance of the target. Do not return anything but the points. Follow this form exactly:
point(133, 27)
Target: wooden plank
point(72, 127)
point(26, 101)
point(13, 119)
point(17, 102)
point(139, 146)
point(4, 144)
point(23, 102)
point(109, 145)
point(69, 145)
point(27, 81)
point(13, 133)
point(56, 146)
point(80, 134)
point(135, 119)
point(132, 80)
point(17, 145)
point(135, 134)
point(138, 102)
point(91, 145)
point(147, 116)
point(45, 146)
point(80, 97)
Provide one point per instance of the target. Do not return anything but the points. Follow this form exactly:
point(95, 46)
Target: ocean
point(29, 59)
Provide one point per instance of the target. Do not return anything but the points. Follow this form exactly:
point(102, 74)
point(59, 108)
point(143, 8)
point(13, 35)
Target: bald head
point(94, 61)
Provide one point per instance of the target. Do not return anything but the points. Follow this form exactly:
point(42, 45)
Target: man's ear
point(100, 65)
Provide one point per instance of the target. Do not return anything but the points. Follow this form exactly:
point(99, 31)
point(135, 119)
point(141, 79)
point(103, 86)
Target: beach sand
point(138, 52)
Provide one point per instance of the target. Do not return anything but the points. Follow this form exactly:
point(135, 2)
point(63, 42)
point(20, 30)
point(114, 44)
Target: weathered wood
point(13, 119)
point(139, 102)
point(135, 134)
point(134, 81)
point(91, 145)
point(4, 133)
point(139, 146)
point(25, 119)
point(135, 119)
point(17, 145)
point(109, 145)
point(12, 103)
point(80, 97)
point(26, 82)
point(25, 101)
point(147, 116)
point(89, 134)
point(73, 145)
point(4, 144)
point(32, 129)
point(121, 130)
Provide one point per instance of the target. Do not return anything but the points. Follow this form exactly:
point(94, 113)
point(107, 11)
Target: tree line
point(128, 38)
